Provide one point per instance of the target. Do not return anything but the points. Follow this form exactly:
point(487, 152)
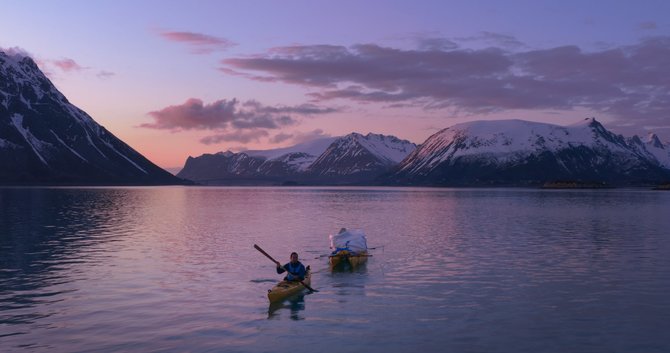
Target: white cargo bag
point(353, 240)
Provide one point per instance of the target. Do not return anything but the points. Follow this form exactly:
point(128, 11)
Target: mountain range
point(350, 159)
point(478, 153)
point(44, 139)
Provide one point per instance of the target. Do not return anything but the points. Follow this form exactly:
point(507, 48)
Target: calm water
point(173, 269)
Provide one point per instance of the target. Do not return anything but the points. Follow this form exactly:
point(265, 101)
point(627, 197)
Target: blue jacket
point(296, 272)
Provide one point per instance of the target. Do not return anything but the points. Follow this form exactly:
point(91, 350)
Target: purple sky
point(181, 78)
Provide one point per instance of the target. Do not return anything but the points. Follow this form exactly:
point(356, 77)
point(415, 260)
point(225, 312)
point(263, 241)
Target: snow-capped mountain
point(46, 139)
point(333, 160)
point(526, 153)
point(360, 157)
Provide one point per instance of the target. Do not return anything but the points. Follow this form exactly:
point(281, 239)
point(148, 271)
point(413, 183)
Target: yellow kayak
point(285, 289)
point(345, 256)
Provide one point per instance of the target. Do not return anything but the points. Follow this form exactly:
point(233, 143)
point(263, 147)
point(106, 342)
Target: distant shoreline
point(576, 185)
point(559, 185)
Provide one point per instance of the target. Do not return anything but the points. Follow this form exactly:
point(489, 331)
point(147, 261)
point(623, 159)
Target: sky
point(175, 79)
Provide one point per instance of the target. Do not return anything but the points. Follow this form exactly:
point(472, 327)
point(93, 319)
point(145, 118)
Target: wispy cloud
point(231, 119)
point(243, 137)
point(436, 43)
point(70, 66)
point(281, 137)
point(648, 25)
point(494, 39)
point(105, 74)
point(53, 67)
point(627, 82)
point(298, 137)
point(199, 43)
point(15, 51)
point(67, 65)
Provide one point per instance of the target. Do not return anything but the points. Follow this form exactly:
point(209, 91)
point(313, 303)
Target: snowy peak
point(28, 83)
point(654, 141)
point(225, 154)
point(356, 154)
point(388, 148)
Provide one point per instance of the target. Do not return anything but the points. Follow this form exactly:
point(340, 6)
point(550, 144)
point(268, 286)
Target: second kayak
point(344, 256)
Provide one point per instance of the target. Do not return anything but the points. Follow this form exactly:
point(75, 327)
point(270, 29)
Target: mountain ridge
point(365, 157)
point(519, 152)
point(44, 139)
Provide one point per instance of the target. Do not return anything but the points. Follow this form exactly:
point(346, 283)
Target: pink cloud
point(67, 65)
point(201, 43)
point(194, 115)
point(233, 120)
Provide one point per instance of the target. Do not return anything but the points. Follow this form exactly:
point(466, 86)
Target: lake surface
point(173, 269)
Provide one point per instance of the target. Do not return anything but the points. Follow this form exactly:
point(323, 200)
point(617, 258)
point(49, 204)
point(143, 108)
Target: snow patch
point(297, 161)
point(124, 156)
point(7, 144)
point(5, 99)
point(68, 147)
point(90, 141)
point(36, 144)
point(387, 148)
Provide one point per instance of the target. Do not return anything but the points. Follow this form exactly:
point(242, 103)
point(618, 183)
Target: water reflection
point(294, 304)
point(46, 237)
point(456, 270)
point(345, 266)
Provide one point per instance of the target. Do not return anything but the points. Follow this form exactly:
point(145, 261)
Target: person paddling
point(296, 270)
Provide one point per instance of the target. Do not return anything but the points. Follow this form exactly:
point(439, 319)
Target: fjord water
point(173, 269)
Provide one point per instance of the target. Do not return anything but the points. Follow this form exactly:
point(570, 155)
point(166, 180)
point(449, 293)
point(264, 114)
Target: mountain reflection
point(46, 236)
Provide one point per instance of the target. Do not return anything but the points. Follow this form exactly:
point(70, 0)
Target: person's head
point(294, 257)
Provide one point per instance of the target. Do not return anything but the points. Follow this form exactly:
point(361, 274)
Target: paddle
point(275, 261)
